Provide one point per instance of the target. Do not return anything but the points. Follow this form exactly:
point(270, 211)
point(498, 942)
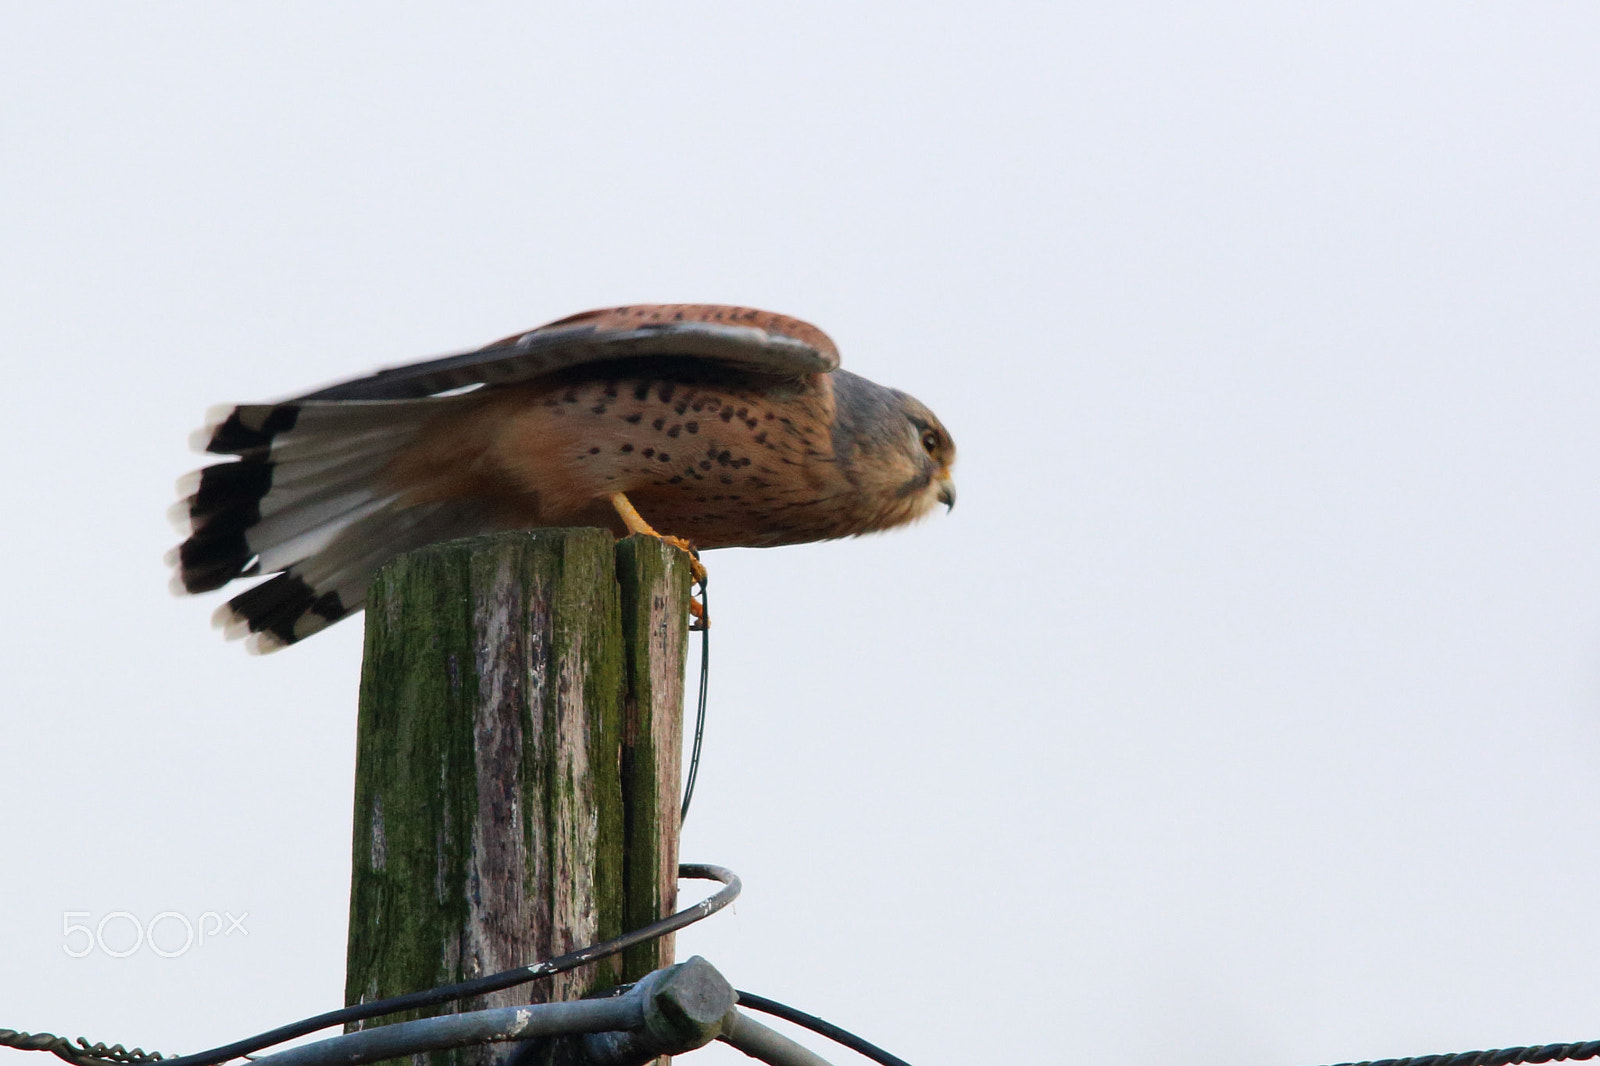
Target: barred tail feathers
point(306, 497)
point(310, 595)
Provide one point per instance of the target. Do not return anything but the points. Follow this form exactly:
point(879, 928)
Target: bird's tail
point(306, 496)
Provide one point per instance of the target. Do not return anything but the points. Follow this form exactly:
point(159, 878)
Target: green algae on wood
point(655, 589)
point(517, 695)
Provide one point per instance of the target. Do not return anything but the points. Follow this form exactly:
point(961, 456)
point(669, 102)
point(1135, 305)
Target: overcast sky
point(1246, 710)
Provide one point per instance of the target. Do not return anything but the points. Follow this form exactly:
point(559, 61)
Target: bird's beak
point(947, 493)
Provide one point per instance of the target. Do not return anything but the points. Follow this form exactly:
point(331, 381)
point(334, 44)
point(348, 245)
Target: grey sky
point(1245, 711)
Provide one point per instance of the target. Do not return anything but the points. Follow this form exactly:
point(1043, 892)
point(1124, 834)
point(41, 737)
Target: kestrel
point(722, 426)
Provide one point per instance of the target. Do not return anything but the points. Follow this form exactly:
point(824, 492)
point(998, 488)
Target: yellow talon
point(634, 521)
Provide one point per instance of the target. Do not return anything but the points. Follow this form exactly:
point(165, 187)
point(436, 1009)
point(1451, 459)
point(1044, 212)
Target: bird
point(719, 426)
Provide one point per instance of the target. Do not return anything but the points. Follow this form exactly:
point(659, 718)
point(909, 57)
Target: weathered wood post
point(517, 764)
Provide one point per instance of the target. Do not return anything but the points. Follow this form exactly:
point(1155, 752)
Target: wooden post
point(517, 764)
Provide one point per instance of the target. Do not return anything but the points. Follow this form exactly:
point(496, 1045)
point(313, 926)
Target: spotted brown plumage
point(723, 426)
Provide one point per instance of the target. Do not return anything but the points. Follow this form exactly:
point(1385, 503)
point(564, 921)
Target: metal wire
point(823, 1028)
point(82, 1053)
point(700, 707)
point(1501, 1057)
point(79, 1051)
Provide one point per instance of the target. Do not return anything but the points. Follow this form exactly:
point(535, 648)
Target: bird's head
point(931, 458)
point(899, 453)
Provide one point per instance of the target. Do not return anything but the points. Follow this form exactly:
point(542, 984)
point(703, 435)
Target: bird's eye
point(930, 442)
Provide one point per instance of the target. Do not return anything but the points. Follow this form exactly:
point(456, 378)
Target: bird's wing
point(761, 342)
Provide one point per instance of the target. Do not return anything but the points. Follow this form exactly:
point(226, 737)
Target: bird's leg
point(636, 524)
